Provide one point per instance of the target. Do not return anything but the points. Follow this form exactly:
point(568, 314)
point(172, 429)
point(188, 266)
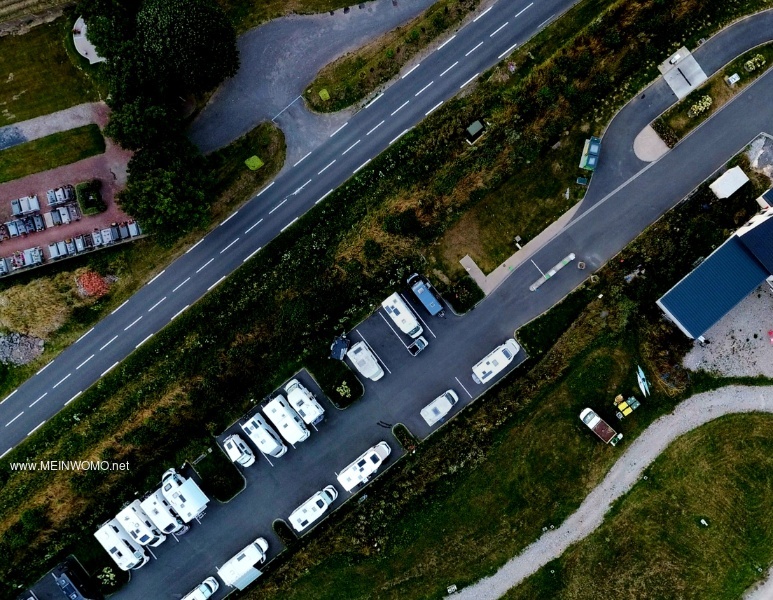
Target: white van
point(364, 466)
point(263, 436)
point(238, 451)
point(204, 590)
point(495, 361)
point(120, 546)
point(286, 420)
point(402, 315)
point(439, 407)
point(134, 520)
point(313, 508)
point(184, 495)
point(162, 515)
point(365, 362)
point(304, 403)
point(240, 571)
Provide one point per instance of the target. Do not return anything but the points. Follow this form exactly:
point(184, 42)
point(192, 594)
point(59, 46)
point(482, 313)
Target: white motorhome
point(120, 546)
point(240, 571)
point(495, 361)
point(263, 436)
point(439, 407)
point(162, 515)
point(364, 466)
point(365, 362)
point(204, 590)
point(184, 495)
point(238, 451)
point(402, 315)
point(286, 420)
point(304, 403)
point(313, 508)
point(134, 520)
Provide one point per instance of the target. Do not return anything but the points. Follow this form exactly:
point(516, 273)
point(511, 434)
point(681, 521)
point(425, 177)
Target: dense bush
point(89, 196)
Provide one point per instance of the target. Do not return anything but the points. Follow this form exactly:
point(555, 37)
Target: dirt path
point(691, 413)
point(63, 120)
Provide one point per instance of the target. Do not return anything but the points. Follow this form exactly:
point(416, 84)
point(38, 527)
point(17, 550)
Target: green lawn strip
point(653, 545)
point(246, 14)
point(355, 76)
point(51, 151)
point(677, 121)
point(37, 76)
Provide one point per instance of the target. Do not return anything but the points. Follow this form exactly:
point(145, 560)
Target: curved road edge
point(690, 414)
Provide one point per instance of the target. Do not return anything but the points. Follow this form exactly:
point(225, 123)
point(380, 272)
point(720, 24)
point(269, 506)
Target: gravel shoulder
point(693, 412)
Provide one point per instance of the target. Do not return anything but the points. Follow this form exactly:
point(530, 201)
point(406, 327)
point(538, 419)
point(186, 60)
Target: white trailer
point(240, 571)
point(364, 466)
point(402, 315)
point(184, 495)
point(304, 402)
point(160, 512)
point(134, 520)
point(286, 420)
point(119, 545)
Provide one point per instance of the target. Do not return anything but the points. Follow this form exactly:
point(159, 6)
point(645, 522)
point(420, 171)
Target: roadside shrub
point(701, 106)
point(89, 196)
point(372, 250)
point(755, 62)
point(665, 132)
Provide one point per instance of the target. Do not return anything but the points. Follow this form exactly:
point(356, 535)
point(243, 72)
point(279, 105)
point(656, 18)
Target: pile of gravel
point(18, 349)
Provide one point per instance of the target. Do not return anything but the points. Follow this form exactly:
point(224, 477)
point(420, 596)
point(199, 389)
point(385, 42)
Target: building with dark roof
point(726, 277)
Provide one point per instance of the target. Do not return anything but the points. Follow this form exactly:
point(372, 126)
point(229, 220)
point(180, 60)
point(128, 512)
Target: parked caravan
point(363, 468)
point(365, 361)
point(495, 361)
point(107, 237)
point(48, 219)
point(304, 403)
point(80, 246)
point(184, 495)
point(238, 451)
point(402, 315)
point(120, 546)
point(263, 436)
point(96, 236)
point(53, 252)
point(204, 590)
point(240, 571)
point(160, 512)
point(313, 508)
point(134, 229)
point(4, 268)
point(64, 214)
point(62, 248)
point(70, 245)
point(439, 407)
point(39, 223)
point(124, 231)
point(88, 241)
point(422, 289)
point(286, 420)
point(138, 524)
point(33, 256)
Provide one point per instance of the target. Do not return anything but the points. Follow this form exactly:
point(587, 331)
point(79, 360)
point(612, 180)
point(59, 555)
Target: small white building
point(729, 183)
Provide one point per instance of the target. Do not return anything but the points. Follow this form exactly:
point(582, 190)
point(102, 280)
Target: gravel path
point(63, 120)
point(688, 415)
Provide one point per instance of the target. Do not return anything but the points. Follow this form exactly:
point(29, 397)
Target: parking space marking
point(416, 312)
point(202, 267)
point(115, 337)
point(73, 398)
point(449, 68)
point(374, 129)
point(254, 226)
point(110, 368)
point(393, 331)
point(38, 400)
point(374, 352)
point(16, 417)
point(350, 147)
point(133, 323)
point(151, 552)
point(84, 362)
point(157, 303)
point(38, 426)
point(229, 245)
point(182, 284)
point(62, 380)
point(92, 329)
point(464, 388)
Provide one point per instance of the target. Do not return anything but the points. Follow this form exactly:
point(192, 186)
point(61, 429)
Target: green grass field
point(652, 545)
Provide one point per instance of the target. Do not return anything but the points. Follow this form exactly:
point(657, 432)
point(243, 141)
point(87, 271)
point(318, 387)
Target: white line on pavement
point(233, 214)
point(523, 10)
point(304, 158)
point(61, 380)
point(38, 400)
point(159, 302)
point(156, 277)
point(546, 21)
point(350, 147)
point(265, 188)
point(374, 99)
point(449, 68)
point(182, 284)
point(481, 14)
point(110, 368)
point(277, 206)
point(84, 362)
point(133, 323)
point(115, 337)
point(179, 312)
point(194, 245)
point(325, 196)
point(38, 373)
point(399, 136)
point(501, 27)
point(393, 331)
point(440, 47)
point(290, 223)
point(229, 245)
point(251, 255)
point(374, 352)
point(16, 417)
point(474, 49)
point(38, 426)
point(339, 129)
point(254, 226)
point(218, 282)
point(433, 109)
point(330, 164)
point(508, 51)
point(120, 307)
point(9, 449)
point(399, 108)
point(374, 129)
point(89, 331)
point(17, 389)
point(411, 71)
point(143, 341)
point(464, 388)
point(73, 398)
point(424, 88)
point(470, 80)
point(202, 267)
point(362, 165)
point(298, 191)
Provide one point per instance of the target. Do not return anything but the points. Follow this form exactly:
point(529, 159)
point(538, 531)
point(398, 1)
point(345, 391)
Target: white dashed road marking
point(92, 329)
point(38, 373)
point(508, 51)
point(288, 225)
point(194, 245)
point(399, 136)
point(179, 312)
point(277, 206)
point(300, 161)
point(440, 47)
point(470, 80)
point(362, 165)
point(119, 308)
point(350, 147)
point(17, 389)
point(84, 362)
point(449, 68)
point(424, 88)
point(411, 71)
point(474, 49)
point(339, 129)
point(251, 255)
point(524, 10)
point(481, 14)
point(374, 129)
point(265, 188)
point(143, 341)
point(231, 216)
point(133, 323)
point(73, 398)
point(501, 27)
point(38, 426)
point(62, 380)
point(38, 400)
point(110, 368)
point(218, 282)
point(115, 337)
point(16, 417)
point(330, 164)
point(229, 245)
point(324, 196)
point(157, 303)
point(182, 284)
point(202, 267)
point(399, 108)
point(253, 226)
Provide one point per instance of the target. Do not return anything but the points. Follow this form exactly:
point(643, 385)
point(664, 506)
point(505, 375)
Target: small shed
point(474, 132)
point(729, 183)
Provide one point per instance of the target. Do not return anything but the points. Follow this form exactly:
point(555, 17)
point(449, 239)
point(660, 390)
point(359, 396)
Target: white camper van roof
point(184, 495)
point(240, 571)
point(286, 420)
point(119, 545)
point(138, 525)
point(160, 512)
point(364, 466)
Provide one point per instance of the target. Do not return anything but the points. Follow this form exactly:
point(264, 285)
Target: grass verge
point(247, 14)
point(49, 152)
point(679, 120)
